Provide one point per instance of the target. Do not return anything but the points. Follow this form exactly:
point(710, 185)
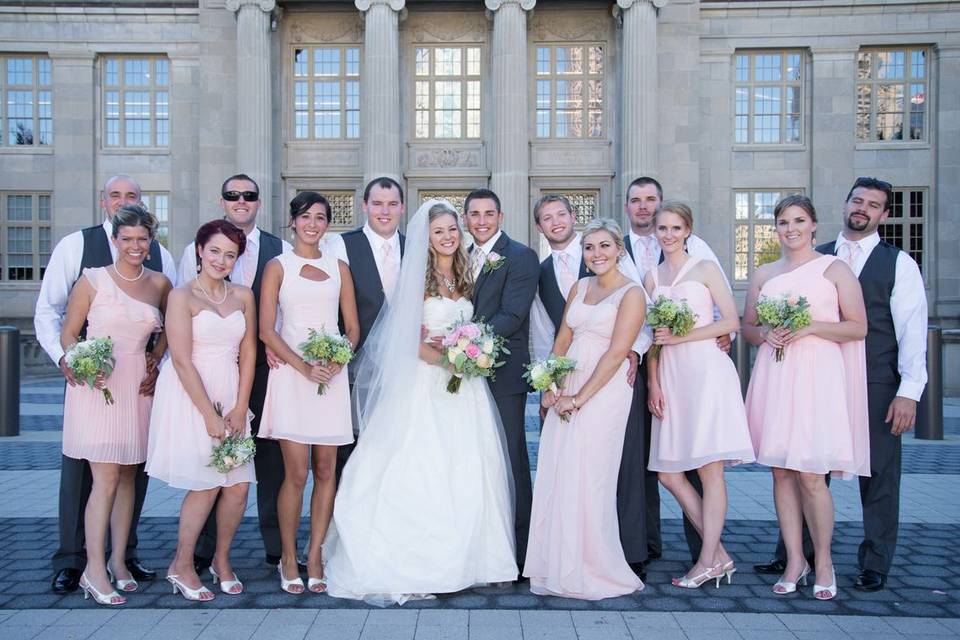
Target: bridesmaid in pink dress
point(808, 413)
point(125, 302)
point(212, 330)
point(699, 421)
point(309, 288)
point(574, 549)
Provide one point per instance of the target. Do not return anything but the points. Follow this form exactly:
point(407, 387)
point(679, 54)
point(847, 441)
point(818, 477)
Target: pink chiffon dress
point(704, 418)
point(809, 411)
point(574, 548)
point(292, 408)
point(92, 429)
point(180, 448)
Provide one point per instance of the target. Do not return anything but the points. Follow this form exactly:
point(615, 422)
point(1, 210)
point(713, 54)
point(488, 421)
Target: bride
point(424, 504)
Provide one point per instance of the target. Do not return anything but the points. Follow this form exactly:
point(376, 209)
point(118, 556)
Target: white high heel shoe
point(123, 585)
point(786, 587)
point(288, 585)
point(230, 587)
point(194, 595)
point(821, 592)
point(111, 599)
point(713, 573)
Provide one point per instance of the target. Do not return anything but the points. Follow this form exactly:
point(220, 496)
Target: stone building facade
point(731, 104)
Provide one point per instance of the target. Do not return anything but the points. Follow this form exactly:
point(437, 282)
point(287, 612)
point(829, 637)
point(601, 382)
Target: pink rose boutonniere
point(494, 262)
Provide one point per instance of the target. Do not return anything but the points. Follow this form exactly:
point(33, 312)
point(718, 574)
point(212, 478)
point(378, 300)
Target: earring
point(148, 256)
point(198, 268)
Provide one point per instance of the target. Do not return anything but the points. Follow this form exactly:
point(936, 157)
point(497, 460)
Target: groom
point(506, 273)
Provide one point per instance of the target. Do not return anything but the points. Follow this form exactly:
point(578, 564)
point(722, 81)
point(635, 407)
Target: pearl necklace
point(451, 286)
point(207, 295)
point(123, 277)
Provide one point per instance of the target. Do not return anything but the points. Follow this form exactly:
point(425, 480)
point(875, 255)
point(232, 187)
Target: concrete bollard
point(741, 356)
point(9, 381)
point(930, 408)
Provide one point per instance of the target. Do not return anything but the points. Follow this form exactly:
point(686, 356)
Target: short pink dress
point(292, 409)
point(704, 420)
point(92, 429)
point(574, 549)
point(179, 451)
point(809, 411)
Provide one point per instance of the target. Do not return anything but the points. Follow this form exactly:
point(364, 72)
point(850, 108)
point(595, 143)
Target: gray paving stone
point(443, 625)
point(750, 621)
point(34, 617)
point(547, 625)
point(107, 632)
point(287, 632)
point(600, 625)
point(21, 631)
point(650, 620)
point(796, 622)
point(862, 624)
point(85, 618)
point(919, 626)
point(333, 632)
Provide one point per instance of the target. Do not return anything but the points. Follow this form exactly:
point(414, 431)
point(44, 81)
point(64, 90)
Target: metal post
point(9, 381)
point(930, 409)
point(741, 356)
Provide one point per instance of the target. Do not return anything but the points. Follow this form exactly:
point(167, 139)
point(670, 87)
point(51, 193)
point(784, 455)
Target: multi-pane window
point(326, 93)
point(754, 234)
point(455, 197)
point(25, 236)
point(27, 110)
point(769, 97)
point(136, 102)
point(892, 90)
point(569, 91)
point(447, 92)
point(159, 205)
point(904, 225)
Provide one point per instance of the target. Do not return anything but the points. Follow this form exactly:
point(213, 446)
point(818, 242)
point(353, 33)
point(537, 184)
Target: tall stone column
point(380, 88)
point(510, 147)
point(638, 140)
point(254, 94)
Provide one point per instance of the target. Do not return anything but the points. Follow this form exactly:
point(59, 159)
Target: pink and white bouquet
point(472, 349)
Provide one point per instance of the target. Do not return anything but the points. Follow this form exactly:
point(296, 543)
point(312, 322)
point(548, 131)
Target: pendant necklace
point(451, 286)
point(207, 295)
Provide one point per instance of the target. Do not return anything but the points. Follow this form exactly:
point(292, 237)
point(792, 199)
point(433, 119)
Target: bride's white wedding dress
point(424, 504)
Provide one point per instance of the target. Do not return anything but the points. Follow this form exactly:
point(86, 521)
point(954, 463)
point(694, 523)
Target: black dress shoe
point(201, 564)
point(66, 581)
point(639, 568)
point(139, 571)
point(870, 580)
point(775, 567)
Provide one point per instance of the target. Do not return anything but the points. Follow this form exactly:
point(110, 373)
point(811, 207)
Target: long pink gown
point(292, 409)
point(92, 429)
point(704, 419)
point(574, 548)
point(809, 411)
point(179, 452)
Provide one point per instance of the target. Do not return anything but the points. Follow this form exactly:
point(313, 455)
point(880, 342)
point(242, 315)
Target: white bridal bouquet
point(89, 358)
point(233, 451)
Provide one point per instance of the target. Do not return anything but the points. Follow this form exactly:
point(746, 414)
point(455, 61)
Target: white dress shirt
point(63, 271)
point(542, 331)
point(334, 244)
point(908, 306)
point(246, 263)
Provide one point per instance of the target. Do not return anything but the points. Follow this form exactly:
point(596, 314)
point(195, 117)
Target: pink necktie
point(647, 256)
point(249, 269)
point(567, 278)
point(851, 253)
point(388, 274)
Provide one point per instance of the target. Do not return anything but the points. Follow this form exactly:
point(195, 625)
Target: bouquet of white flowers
point(324, 348)
point(89, 358)
point(233, 451)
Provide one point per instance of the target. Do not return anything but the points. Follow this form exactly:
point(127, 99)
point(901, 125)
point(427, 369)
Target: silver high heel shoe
point(821, 592)
point(194, 595)
point(728, 570)
point(786, 587)
point(123, 585)
point(713, 573)
point(111, 599)
point(230, 587)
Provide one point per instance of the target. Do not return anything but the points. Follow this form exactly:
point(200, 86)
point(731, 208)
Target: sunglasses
point(872, 183)
point(233, 196)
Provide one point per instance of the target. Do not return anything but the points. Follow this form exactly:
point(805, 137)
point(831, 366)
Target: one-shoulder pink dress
point(704, 419)
point(809, 411)
point(92, 429)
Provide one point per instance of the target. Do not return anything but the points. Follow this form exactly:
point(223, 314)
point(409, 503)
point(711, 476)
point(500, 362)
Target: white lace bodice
point(439, 313)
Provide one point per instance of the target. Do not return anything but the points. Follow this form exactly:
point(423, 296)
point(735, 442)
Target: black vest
point(96, 253)
point(549, 290)
point(270, 247)
point(877, 278)
point(366, 280)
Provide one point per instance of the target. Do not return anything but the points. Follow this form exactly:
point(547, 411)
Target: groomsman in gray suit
point(896, 340)
point(506, 273)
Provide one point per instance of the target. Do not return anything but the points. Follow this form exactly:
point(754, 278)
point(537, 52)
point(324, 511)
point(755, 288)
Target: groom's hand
point(634, 361)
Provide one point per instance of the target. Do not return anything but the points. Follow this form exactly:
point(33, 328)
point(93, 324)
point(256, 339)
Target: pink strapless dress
point(92, 429)
point(704, 420)
point(574, 549)
point(179, 451)
point(809, 412)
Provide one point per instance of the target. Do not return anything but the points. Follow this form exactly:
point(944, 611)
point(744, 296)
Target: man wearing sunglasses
point(896, 302)
point(240, 201)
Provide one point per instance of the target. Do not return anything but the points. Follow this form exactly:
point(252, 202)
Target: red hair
point(232, 232)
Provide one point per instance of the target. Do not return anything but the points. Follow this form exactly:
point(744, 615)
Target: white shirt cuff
point(911, 390)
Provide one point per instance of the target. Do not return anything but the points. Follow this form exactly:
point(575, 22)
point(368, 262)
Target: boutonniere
point(494, 261)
